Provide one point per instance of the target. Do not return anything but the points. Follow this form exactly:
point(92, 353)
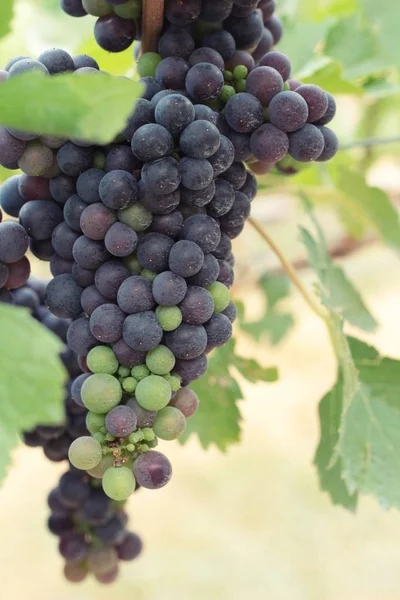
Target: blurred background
point(253, 522)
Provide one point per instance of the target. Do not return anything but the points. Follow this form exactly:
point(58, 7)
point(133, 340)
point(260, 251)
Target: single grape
point(186, 401)
point(141, 331)
point(101, 392)
point(79, 336)
point(94, 422)
point(204, 82)
point(153, 392)
point(102, 360)
point(169, 289)
point(160, 360)
point(169, 424)
point(106, 323)
point(130, 547)
point(220, 294)
point(169, 317)
point(121, 421)
point(135, 295)
point(85, 453)
point(118, 483)
point(152, 470)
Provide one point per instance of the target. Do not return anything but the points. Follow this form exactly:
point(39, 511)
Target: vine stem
point(289, 269)
point(153, 19)
point(370, 142)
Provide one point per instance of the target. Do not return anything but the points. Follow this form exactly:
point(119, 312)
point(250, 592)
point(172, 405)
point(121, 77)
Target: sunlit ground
point(249, 524)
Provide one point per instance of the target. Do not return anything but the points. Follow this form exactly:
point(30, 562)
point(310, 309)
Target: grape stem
point(289, 270)
point(370, 142)
point(153, 20)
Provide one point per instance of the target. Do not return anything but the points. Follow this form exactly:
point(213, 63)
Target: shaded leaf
point(6, 15)
point(218, 419)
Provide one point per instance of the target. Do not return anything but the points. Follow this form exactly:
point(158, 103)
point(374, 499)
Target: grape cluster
point(91, 528)
point(228, 27)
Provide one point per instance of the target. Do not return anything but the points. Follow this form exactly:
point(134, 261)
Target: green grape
point(228, 76)
point(140, 372)
point(94, 422)
point(136, 216)
point(240, 85)
point(148, 434)
point(85, 453)
point(240, 72)
point(130, 10)
point(169, 317)
point(286, 86)
point(132, 264)
point(220, 294)
point(102, 359)
point(147, 64)
point(153, 392)
point(101, 392)
point(97, 8)
point(160, 360)
point(118, 483)
point(129, 384)
point(99, 160)
point(174, 380)
point(227, 92)
point(100, 437)
point(124, 371)
point(148, 274)
point(169, 423)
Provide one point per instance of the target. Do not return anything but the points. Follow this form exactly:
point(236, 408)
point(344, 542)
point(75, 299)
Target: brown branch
point(153, 18)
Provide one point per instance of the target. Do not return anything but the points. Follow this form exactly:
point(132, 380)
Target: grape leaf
point(299, 42)
point(6, 15)
point(274, 324)
point(318, 11)
point(218, 419)
point(370, 205)
point(330, 475)
point(32, 377)
point(330, 78)
point(91, 107)
point(385, 15)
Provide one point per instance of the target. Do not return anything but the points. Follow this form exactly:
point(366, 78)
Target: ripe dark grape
point(161, 176)
point(60, 266)
point(306, 144)
point(152, 86)
point(151, 142)
point(269, 144)
point(236, 175)
point(87, 185)
point(62, 187)
point(169, 289)
point(197, 198)
point(249, 188)
point(91, 299)
point(113, 33)
point(11, 149)
point(126, 355)
point(79, 336)
point(97, 508)
point(63, 297)
point(182, 13)
point(109, 277)
point(186, 258)
point(264, 83)
point(208, 272)
point(152, 470)
point(204, 82)
point(172, 71)
point(218, 330)
point(11, 200)
point(190, 370)
point(316, 99)
point(200, 139)
point(275, 27)
point(73, 491)
point(27, 65)
point(135, 295)
point(40, 217)
point(118, 189)
point(121, 421)
point(96, 220)
point(84, 60)
point(142, 114)
point(113, 531)
point(73, 159)
point(169, 224)
point(73, 546)
point(57, 61)
point(176, 42)
point(196, 174)
point(205, 113)
point(83, 277)
point(223, 157)
point(221, 41)
point(120, 240)
point(264, 45)
point(159, 205)
point(331, 144)
point(206, 55)
point(230, 311)
point(277, 61)
point(202, 230)
point(174, 112)
point(73, 8)
point(238, 213)
point(187, 341)
point(288, 111)
point(18, 274)
point(121, 158)
point(215, 12)
point(89, 254)
point(130, 547)
point(226, 274)
point(106, 323)
point(197, 306)
point(330, 111)
point(247, 32)
point(142, 331)
point(241, 144)
point(4, 272)
point(153, 252)
point(223, 199)
point(244, 113)
point(34, 188)
point(13, 242)
point(73, 209)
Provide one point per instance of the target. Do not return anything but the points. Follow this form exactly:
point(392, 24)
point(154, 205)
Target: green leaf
point(32, 377)
point(275, 323)
point(91, 107)
point(330, 78)
point(369, 205)
point(353, 43)
point(218, 418)
point(336, 290)
point(318, 11)
point(300, 41)
point(385, 16)
point(330, 475)
point(6, 15)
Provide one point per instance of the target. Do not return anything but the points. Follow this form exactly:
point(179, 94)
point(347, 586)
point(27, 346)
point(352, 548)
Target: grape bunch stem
point(152, 21)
